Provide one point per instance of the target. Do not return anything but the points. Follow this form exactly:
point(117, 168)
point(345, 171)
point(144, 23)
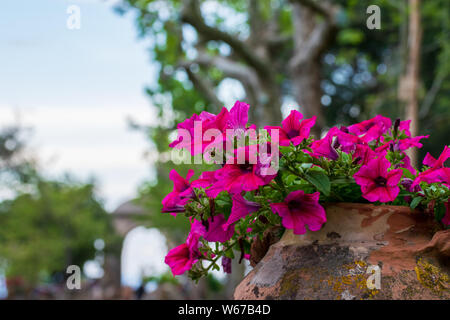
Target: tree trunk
point(312, 36)
point(409, 82)
point(307, 92)
point(266, 110)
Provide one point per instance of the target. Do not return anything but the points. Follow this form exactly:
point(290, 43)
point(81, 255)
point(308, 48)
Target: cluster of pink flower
point(373, 152)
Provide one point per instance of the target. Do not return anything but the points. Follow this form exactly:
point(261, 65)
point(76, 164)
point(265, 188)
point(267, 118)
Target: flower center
point(292, 134)
point(380, 181)
point(294, 204)
point(369, 125)
point(246, 167)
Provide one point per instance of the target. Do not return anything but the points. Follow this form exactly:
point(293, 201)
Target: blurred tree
point(409, 82)
point(45, 225)
point(273, 48)
point(15, 169)
point(49, 228)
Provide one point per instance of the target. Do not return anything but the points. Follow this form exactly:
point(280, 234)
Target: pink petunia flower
point(324, 147)
point(346, 141)
point(205, 180)
point(238, 116)
point(180, 259)
point(240, 209)
point(237, 176)
point(377, 183)
point(299, 210)
point(406, 163)
point(371, 129)
point(402, 144)
point(191, 131)
point(364, 153)
point(181, 194)
point(441, 175)
point(430, 175)
point(437, 163)
point(404, 126)
point(218, 230)
point(293, 129)
point(405, 144)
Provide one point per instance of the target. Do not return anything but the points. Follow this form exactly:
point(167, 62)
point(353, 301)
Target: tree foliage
point(46, 225)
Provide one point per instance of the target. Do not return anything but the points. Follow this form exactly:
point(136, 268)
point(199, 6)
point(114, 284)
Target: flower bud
point(396, 126)
point(226, 264)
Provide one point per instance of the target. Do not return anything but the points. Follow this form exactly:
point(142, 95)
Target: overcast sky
point(76, 88)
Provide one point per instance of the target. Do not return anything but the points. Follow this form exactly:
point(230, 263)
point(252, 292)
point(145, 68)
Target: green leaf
point(350, 36)
point(306, 166)
point(346, 157)
point(303, 157)
point(407, 173)
point(229, 253)
point(320, 180)
point(286, 150)
point(289, 179)
point(318, 169)
point(439, 211)
point(415, 202)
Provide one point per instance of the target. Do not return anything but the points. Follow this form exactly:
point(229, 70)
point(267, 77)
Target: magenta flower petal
point(216, 230)
point(236, 177)
point(181, 194)
point(429, 160)
point(206, 179)
point(406, 163)
point(238, 116)
point(197, 143)
point(404, 126)
point(442, 158)
point(382, 194)
point(293, 130)
point(381, 124)
point(300, 210)
point(292, 121)
point(441, 175)
point(324, 147)
point(364, 153)
point(428, 175)
point(240, 209)
point(377, 183)
point(404, 144)
point(180, 259)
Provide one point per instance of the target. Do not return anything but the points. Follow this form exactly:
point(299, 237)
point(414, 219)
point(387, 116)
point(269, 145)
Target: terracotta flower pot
point(362, 252)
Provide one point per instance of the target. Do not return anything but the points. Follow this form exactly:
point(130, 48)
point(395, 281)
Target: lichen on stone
point(353, 282)
point(431, 276)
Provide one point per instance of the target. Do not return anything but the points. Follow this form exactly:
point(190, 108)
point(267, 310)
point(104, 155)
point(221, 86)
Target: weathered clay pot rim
point(371, 206)
point(350, 221)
